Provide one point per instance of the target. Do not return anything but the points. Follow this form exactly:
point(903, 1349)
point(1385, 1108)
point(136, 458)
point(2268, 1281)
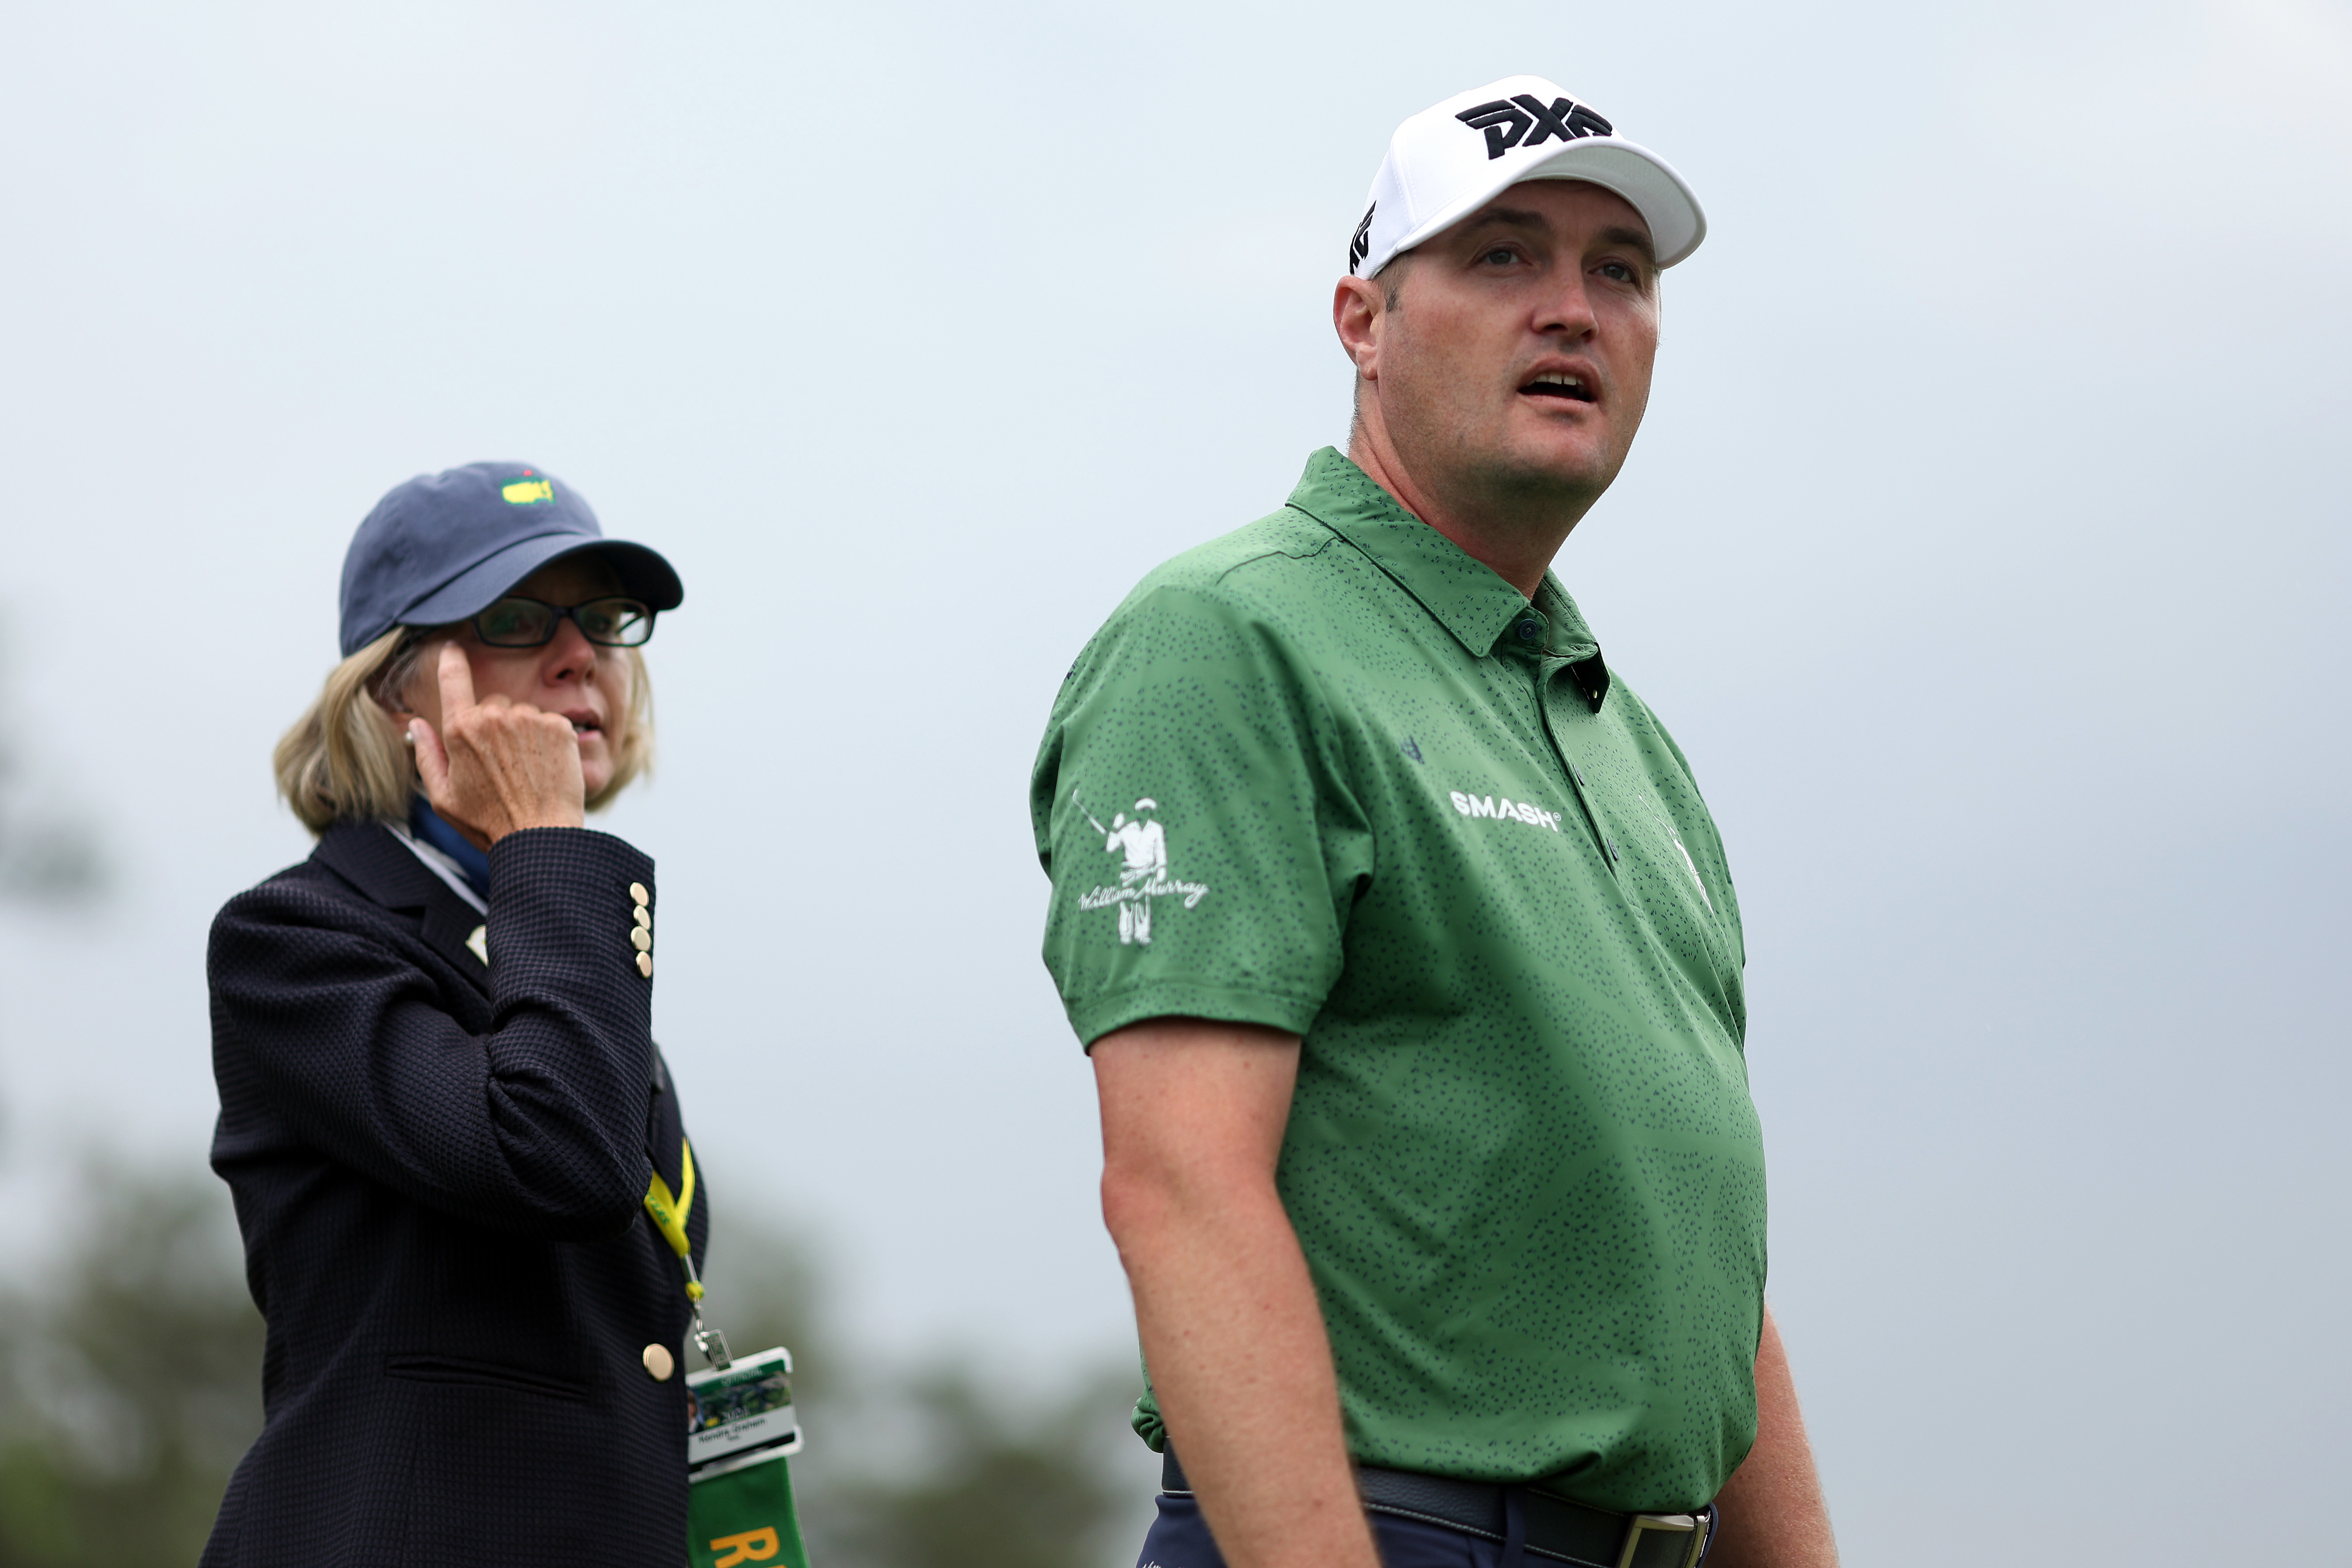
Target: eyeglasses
point(527, 623)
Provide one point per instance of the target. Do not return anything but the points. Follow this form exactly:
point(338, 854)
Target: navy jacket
point(439, 1167)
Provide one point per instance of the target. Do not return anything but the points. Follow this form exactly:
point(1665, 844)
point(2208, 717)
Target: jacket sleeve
point(535, 1127)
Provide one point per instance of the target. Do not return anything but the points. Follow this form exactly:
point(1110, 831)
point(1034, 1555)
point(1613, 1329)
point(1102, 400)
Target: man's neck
point(1515, 540)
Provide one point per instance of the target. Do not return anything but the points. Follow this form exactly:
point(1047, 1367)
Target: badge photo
point(741, 1413)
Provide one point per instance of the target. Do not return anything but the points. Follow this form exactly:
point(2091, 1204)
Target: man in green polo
point(1406, 950)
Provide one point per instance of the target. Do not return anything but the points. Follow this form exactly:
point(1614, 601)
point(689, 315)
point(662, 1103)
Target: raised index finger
point(457, 681)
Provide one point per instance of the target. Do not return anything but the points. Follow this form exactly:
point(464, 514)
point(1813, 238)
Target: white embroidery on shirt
point(1141, 844)
point(1504, 810)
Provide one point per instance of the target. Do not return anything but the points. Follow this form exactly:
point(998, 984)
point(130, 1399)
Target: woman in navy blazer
point(441, 1107)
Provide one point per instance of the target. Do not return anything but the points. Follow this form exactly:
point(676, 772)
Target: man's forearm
point(1231, 1327)
point(1773, 1512)
point(1241, 1370)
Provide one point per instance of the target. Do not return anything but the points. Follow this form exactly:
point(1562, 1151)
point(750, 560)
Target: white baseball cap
point(1449, 161)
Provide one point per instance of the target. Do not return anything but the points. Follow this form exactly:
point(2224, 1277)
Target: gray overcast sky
point(1985, 548)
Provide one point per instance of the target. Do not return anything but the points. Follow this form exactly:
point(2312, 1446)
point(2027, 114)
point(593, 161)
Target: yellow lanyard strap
point(669, 1214)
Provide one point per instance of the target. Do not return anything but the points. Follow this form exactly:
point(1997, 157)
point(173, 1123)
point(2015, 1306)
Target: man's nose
point(1567, 307)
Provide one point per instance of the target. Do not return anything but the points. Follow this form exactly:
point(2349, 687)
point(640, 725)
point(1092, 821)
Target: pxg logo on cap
point(1507, 121)
point(1452, 158)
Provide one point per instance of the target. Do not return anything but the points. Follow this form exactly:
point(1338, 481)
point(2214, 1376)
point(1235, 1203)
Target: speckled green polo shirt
point(1332, 774)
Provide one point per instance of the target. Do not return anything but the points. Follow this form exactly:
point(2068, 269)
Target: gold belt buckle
point(1665, 1524)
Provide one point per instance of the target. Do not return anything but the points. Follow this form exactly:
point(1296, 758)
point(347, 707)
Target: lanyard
point(669, 1214)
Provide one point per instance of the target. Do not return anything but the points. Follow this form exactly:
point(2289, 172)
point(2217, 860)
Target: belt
point(1555, 1527)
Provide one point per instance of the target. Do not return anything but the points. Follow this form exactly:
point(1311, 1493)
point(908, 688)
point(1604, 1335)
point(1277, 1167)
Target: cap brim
point(1647, 182)
point(643, 575)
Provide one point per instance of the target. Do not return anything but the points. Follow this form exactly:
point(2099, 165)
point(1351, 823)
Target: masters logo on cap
point(529, 491)
point(1451, 159)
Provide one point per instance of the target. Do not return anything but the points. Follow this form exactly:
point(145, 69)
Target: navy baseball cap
point(445, 547)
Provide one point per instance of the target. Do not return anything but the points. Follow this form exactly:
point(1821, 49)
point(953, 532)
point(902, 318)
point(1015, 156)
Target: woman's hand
point(499, 765)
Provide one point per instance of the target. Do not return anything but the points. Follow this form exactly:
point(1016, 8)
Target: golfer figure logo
point(1141, 845)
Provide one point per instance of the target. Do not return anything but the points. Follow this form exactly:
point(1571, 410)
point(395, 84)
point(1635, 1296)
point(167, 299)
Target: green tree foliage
point(47, 854)
point(130, 1385)
point(945, 1468)
point(131, 1380)
point(988, 1482)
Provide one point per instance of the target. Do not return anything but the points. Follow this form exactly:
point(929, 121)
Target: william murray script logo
point(1141, 845)
point(1508, 120)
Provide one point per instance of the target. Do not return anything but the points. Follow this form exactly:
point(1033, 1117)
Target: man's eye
point(1501, 255)
point(1620, 271)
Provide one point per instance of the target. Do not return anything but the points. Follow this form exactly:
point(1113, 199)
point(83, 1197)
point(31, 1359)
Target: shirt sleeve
point(1192, 713)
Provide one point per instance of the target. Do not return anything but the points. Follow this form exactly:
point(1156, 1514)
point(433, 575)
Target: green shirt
point(1331, 773)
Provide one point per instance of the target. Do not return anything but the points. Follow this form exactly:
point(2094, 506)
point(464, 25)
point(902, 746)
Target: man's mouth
point(1558, 383)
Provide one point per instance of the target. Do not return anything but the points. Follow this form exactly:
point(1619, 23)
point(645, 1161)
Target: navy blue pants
point(1178, 1538)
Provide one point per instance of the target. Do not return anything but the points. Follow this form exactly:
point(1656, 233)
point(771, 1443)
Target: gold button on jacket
point(660, 1362)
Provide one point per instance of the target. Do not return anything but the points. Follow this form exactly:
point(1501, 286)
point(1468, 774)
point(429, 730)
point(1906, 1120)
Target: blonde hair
point(347, 759)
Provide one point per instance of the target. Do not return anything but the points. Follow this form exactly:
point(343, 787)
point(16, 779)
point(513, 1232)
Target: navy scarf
point(426, 823)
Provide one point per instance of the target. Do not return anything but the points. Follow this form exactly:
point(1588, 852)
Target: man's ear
point(1358, 305)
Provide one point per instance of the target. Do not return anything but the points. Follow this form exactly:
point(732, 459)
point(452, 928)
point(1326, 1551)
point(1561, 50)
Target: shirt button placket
point(1602, 843)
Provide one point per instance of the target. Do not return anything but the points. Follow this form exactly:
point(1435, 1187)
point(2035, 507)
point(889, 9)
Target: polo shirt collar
point(1467, 596)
